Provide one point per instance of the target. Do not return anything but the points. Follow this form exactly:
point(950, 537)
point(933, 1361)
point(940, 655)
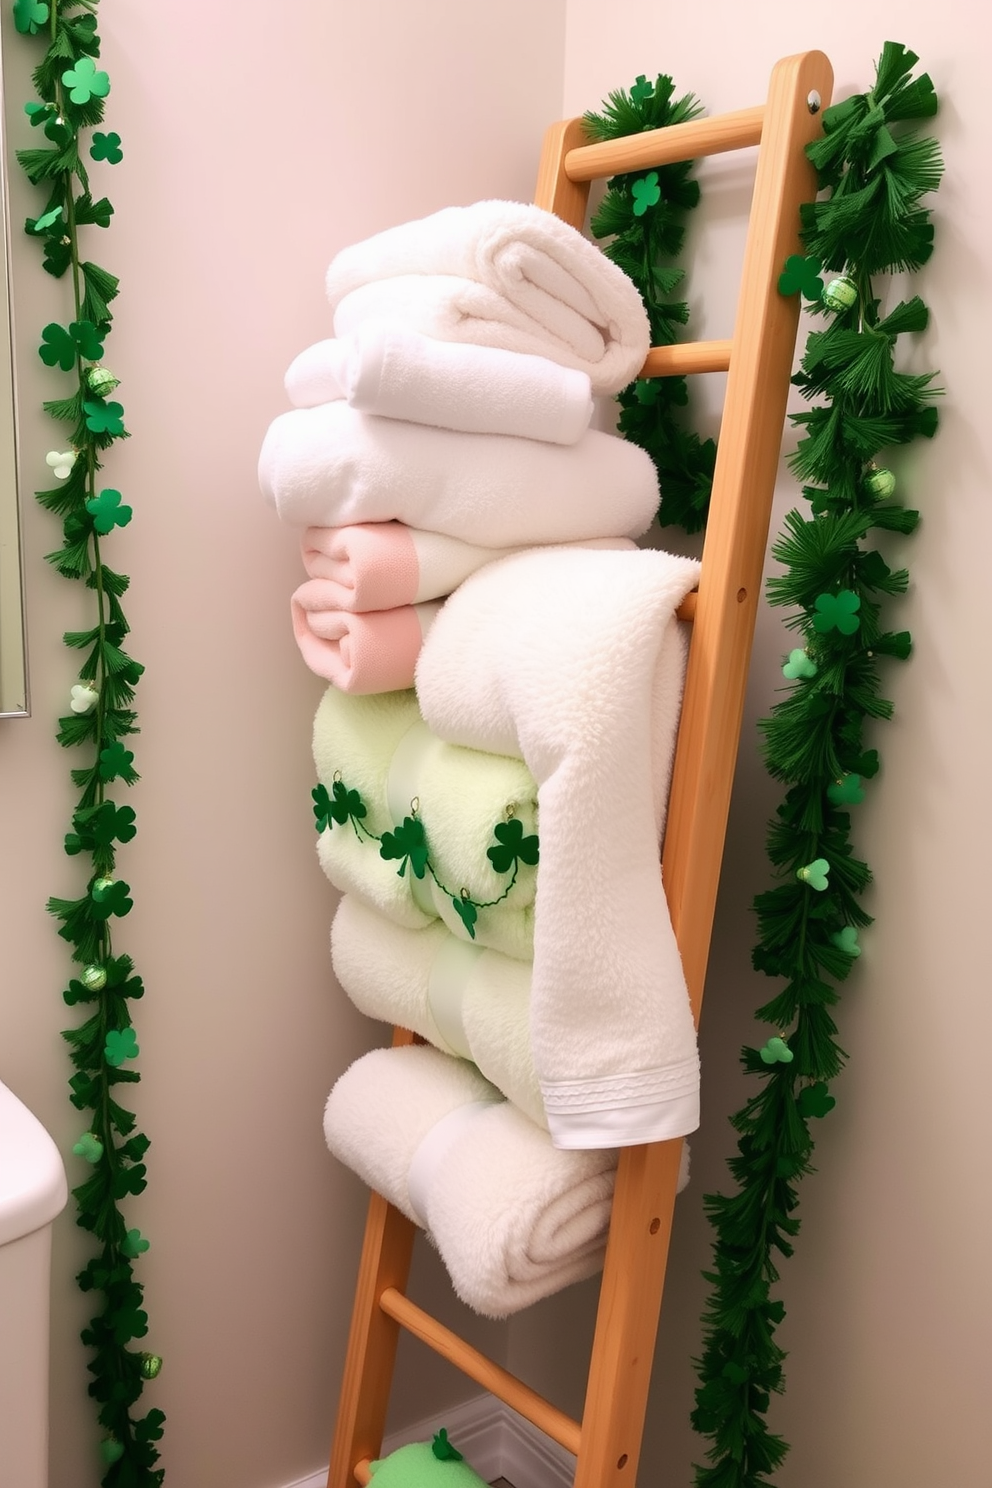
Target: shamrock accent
point(734, 1373)
point(815, 1100)
point(815, 873)
point(46, 220)
point(103, 418)
point(106, 147)
point(776, 1051)
point(443, 1449)
point(346, 803)
point(83, 698)
point(641, 90)
point(799, 665)
point(110, 897)
point(846, 791)
point(115, 760)
point(89, 1148)
point(88, 339)
point(837, 612)
point(846, 940)
point(120, 1045)
point(57, 347)
point(101, 826)
point(646, 391)
point(467, 911)
point(111, 1450)
point(511, 846)
point(134, 1244)
point(29, 15)
point(646, 193)
point(85, 81)
point(107, 511)
point(61, 462)
point(801, 275)
point(408, 842)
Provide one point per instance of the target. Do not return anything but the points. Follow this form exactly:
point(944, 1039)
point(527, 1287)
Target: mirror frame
point(13, 649)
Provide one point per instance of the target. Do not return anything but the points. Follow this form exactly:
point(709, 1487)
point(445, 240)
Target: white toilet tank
point(32, 1192)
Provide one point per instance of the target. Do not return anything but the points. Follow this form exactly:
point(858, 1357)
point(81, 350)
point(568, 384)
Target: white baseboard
point(497, 1441)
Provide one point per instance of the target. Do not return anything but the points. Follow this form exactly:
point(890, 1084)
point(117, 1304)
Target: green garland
point(642, 214)
point(70, 93)
point(875, 170)
point(408, 845)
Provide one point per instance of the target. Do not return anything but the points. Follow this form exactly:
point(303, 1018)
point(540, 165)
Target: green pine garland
point(70, 93)
point(875, 170)
point(642, 214)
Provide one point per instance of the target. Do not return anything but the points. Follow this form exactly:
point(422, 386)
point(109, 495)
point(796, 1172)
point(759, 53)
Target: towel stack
point(464, 527)
point(447, 423)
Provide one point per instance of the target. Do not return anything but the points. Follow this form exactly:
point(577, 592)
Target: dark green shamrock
point(115, 760)
point(442, 1448)
point(642, 90)
point(646, 390)
point(837, 612)
point(347, 803)
point(29, 15)
point(846, 940)
point(815, 1100)
point(801, 275)
point(88, 339)
point(111, 823)
point(408, 842)
point(511, 845)
point(103, 418)
point(846, 791)
point(57, 348)
point(85, 82)
point(129, 1322)
point(646, 193)
point(107, 512)
point(321, 807)
point(110, 897)
point(468, 912)
point(776, 1051)
point(120, 1044)
point(106, 147)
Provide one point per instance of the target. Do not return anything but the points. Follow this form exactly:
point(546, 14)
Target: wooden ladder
point(758, 360)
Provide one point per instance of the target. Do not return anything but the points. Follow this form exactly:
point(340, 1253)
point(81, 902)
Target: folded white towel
point(466, 1000)
point(573, 661)
point(379, 746)
point(397, 373)
point(332, 466)
point(518, 277)
point(513, 1219)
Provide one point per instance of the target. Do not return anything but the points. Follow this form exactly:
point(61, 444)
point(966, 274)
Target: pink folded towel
point(359, 653)
point(378, 565)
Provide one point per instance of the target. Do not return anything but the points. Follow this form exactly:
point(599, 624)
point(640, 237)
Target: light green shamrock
point(29, 15)
point(89, 1147)
point(646, 193)
point(134, 1244)
point(846, 940)
point(776, 1051)
point(85, 81)
point(120, 1045)
point(815, 873)
point(799, 665)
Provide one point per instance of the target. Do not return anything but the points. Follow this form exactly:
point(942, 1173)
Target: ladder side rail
point(733, 556)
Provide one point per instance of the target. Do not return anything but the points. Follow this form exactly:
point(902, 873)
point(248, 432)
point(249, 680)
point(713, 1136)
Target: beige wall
point(259, 139)
point(889, 1295)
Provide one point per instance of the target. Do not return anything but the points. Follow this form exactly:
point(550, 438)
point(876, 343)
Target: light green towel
point(379, 746)
point(416, 1466)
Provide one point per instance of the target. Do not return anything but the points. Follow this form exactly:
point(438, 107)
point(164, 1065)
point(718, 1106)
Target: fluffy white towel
point(513, 1219)
point(380, 565)
point(466, 1000)
point(379, 746)
point(504, 274)
point(573, 661)
point(332, 466)
point(398, 373)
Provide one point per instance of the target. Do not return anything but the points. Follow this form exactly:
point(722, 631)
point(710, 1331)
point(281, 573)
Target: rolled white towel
point(513, 1219)
point(501, 274)
point(463, 998)
point(397, 373)
point(332, 466)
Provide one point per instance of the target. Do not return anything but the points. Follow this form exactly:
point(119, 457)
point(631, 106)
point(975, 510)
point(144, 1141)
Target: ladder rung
point(363, 1471)
point(687, 609)
point(666, 146)
point(512, 1391)
point(687, 357)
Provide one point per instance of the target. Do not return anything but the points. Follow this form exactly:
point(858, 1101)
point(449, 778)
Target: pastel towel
point(379, 746)
point(331, 466)
point(368, 652)
point(501, 274)
point(513, 1218)
point(379, 565)
point(416, 1466)
point(397, 373)
point(573, 661)
point(463, 998)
